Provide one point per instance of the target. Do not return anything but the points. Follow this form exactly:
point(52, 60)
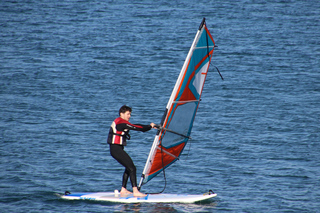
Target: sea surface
point(66, 67)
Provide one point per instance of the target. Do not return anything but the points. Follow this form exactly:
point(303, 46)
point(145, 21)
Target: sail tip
point(202, 23)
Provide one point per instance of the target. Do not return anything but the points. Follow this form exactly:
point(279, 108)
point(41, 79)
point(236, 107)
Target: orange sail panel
point(165, 157)
point(182, 107)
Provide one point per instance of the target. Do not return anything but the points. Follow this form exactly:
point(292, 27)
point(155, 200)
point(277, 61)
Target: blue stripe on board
point(78, 194)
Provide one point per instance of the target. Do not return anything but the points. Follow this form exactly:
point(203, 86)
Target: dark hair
point(124, 108)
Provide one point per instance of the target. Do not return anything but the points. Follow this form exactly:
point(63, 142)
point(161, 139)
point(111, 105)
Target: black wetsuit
point(118, 135)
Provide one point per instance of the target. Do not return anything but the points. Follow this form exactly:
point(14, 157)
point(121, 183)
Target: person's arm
point(139, 127)
point(135, 127)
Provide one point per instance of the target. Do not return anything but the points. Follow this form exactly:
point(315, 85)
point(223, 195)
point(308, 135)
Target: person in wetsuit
point(117, 139)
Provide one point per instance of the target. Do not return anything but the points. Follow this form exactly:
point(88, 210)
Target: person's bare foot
point(136, 192)
point(139, 194)
point(124, 191)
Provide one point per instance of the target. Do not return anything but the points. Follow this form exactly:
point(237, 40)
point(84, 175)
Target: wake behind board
point(150, 198)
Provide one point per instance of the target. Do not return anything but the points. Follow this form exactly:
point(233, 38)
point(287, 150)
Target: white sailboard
point(175, 128)
point(150, 198)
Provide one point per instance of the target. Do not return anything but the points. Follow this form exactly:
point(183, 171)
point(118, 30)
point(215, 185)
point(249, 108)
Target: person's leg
point(124, 159)
point(130, 171)
point(125, 178)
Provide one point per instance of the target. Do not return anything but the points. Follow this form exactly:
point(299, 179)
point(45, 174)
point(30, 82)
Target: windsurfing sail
point(182, 106)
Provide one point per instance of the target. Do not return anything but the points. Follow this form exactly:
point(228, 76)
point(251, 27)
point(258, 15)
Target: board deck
point(150, 198)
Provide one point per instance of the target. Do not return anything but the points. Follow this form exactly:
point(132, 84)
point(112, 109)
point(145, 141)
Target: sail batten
point(177, 102)
point(182, 106)
point(168, 153)
point(204, 47)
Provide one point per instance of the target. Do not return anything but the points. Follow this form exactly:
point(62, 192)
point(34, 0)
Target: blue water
point(67, 66)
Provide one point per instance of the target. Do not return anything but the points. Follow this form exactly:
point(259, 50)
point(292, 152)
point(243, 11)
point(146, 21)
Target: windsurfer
point(117, 139)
